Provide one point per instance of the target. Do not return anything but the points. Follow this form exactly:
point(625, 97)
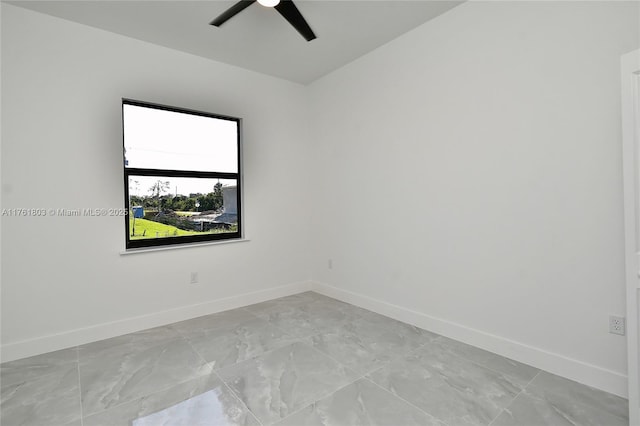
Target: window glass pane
point(163, 207)
point(169, 140)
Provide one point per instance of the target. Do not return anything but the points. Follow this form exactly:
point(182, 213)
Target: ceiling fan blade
point(291, 13)
point(231, 12)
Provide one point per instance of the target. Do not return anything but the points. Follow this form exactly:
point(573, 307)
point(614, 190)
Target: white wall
point(469, 179)
point(63, 279)
point(466, 177)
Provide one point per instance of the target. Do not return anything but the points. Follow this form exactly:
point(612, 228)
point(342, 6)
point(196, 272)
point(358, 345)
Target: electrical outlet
point(616, 325)
point(194, 278)
point(330, 263)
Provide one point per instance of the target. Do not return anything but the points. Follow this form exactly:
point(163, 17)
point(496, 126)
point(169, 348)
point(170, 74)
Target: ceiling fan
point(286, 8)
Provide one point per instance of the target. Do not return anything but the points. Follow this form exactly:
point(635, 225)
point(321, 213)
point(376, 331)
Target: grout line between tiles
point(298, 339)
point(416, 350)
point(162, 389)
point(514, 398)
point(195, 350)
point(575, 401)
point(79, 386)
point(312, 333)
point(504, 409)
point(323, 396)
point(240, 322)
point(237, 397)
point(224, 383)
point(402, 399)
point(361, 377)
point(532, 379)
point(487, 367)
point(147, 395)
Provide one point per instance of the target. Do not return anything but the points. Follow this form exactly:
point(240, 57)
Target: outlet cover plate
point(616, 325)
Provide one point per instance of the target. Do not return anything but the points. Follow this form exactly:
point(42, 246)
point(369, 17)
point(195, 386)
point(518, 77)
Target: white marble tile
point(51, 399)
point(517, 370)
point(36, 366)
point(305, 318)
point(228, 345)
point(288, 302)
point(367, 341)
point(551, 399)
point(557, 387)
point(200, 402)
point(361, 355)
point(537, 407)
point(214, 321)
point(294, 322)
point(364, 346)
point(297, 360)
point(135, 367)
point(387, 331)
point(280, 382)
point(360, 403)
point(116, 346)
point(452, 389)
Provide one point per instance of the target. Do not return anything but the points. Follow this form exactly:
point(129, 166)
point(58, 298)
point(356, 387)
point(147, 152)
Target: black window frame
point(130, 171)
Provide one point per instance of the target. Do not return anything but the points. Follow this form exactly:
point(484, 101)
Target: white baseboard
point(579, 371)
point(53, 342)
point(591, 375)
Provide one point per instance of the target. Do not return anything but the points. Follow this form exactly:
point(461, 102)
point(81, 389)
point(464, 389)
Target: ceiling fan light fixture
point(269, 3)
point(286, 8)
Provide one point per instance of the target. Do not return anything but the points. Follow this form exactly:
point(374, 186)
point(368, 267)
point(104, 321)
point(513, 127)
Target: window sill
point(181, 246)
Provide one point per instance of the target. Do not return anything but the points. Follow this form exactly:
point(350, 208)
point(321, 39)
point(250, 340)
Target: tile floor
point(299, 360)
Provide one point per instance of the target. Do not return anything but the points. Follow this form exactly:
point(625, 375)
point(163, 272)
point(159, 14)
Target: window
point(181, 175)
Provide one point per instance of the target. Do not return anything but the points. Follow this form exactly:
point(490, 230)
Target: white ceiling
point(258, 38)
